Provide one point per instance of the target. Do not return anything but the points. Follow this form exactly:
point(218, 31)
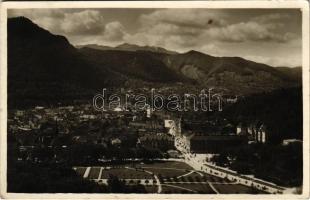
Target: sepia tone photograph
point(147, 100)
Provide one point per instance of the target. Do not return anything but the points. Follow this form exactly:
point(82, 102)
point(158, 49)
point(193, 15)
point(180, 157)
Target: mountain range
point(41, 64)
point(228, 73)
point(128, 47)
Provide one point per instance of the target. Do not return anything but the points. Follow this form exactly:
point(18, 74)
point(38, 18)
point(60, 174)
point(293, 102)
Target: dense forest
point(280, 111)
point(279, 164)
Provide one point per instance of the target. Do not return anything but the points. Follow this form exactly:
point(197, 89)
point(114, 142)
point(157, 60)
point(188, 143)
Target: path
point(186, 174)
point(164, 168)
point(213, 188)
point(100, 173)
point(158, 183)
point(86, 172)
point(179, 187)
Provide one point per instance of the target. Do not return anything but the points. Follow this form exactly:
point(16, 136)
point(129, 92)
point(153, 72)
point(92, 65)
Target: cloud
point(183, 29)
point(80, 26)
point(85, 22)
point(114, 31)
point(193, 18)
point(248, 31)
point(163, 35)
point(46, 18)
point(214, 49)
point(178, 29)
point(217, 32)
point(271, 17)
point(89, 22)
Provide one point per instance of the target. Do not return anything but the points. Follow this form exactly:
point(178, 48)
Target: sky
point(270, 36)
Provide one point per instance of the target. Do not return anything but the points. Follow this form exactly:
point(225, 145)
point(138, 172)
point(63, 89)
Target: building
point(256, 132)
point(242, 179)
point(207, 143)
point(148, 112)
point(291, 141)
point(160, 141)
point(116, 142)
point(213, 143)
point(173, 126)
point(150, 124)
point(241, 129)
point(261, 134)
point(170, 125)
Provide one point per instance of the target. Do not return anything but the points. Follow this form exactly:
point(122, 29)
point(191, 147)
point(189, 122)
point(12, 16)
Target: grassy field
point(166, 173)
point(169, 189)
point(176, 165)
point(175, 177)
point(81, 170)
point(94, 173)
point(235, 189)
point(124, 173)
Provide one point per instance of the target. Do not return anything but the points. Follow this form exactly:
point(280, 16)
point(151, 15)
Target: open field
point(171, 189)
point(173, 177)
point(124, 173)
point(81, 170)
point(196, 188)
point(168, 164)
point(166, 173)
point(94, 173)
point(235, 189)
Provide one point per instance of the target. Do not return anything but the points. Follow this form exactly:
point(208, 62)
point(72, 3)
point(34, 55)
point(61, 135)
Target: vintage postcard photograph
point(155, 100)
